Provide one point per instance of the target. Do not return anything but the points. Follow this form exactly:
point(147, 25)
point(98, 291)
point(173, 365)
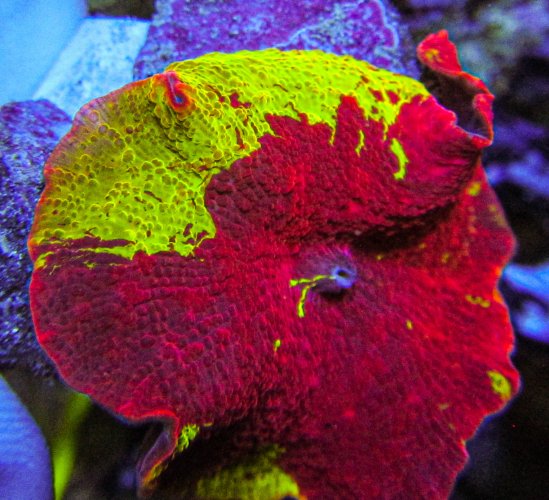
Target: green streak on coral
point(258, 477)
point(64, 444)
point(131, 175)
point(276, 344)
point(500, 385)
point(398, 151)
point(309, 283)
point(474, 188)
point(477, 301)
point(187, 434)
point(360, 144)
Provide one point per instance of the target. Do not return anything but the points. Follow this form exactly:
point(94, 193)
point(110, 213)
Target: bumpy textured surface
point(366, 29)
point(28, 133)
point(295, 252)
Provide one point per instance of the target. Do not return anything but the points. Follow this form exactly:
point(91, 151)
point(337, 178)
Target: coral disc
point(290, 256)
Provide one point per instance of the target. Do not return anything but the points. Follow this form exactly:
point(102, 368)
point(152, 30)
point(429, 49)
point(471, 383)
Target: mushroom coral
point(290, 260)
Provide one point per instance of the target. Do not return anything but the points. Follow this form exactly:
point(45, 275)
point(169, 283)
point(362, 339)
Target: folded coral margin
point(290, 260)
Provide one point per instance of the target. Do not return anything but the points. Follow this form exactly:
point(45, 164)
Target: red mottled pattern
point(373, 392)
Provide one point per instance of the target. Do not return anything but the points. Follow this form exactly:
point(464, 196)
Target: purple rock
point(366, 29)
point(28, 133)
point(514, 137)
point(530, 172)
point(433, 4)
point(518, 167)
point(518, 156)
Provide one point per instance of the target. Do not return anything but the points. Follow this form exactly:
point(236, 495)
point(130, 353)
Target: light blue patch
point(25, 465)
